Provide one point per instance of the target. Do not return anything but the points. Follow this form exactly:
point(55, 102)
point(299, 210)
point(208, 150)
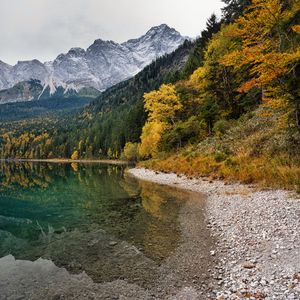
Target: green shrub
point(130, 152)
point(220, 156)
point(221, 127)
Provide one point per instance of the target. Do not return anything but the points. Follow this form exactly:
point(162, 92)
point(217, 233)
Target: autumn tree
point(151, 138)
point(270, 47)
point(75, 155)
point(163, 104)
point(130, 152)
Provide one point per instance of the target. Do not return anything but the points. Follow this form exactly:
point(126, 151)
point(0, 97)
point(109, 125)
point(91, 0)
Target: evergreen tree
point(234, 9)
point(196, 57)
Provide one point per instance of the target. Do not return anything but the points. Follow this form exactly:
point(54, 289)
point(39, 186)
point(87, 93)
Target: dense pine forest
point(225, 105)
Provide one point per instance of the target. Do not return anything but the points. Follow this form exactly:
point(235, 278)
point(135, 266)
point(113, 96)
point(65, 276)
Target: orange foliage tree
point(270, 47)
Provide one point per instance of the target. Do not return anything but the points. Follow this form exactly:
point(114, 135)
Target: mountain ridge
point(102, 65)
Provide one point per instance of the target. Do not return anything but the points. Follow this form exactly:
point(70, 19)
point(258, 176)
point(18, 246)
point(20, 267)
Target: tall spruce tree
point(234, 9)
point(196, 57)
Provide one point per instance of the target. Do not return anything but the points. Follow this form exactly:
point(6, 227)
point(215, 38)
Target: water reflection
point(87, 217)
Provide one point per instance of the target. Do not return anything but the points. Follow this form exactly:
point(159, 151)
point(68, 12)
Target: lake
point(90, 218)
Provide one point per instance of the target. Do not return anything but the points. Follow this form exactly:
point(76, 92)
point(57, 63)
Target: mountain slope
point(33, 90)
point(52, 108)
point(164, 69)
point(115, 117)
point(118, 115)
point(102, 65)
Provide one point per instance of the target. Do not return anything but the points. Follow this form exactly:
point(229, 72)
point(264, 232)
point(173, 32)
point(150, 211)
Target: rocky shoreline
point(257, 234)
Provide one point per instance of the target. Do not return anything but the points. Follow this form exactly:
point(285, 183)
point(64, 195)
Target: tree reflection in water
point(70, 213)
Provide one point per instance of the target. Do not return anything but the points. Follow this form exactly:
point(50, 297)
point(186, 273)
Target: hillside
point(42, 108)
point(250, 150)
point(237, 116)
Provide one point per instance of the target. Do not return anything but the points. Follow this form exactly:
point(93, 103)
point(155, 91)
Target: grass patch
point(255, 151)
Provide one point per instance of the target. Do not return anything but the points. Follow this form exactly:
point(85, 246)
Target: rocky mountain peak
point(2, 63)
point(102, 65)
point(98, 42)
point(161, 28)
point(31, 62)
point(76, 52)
point(100, 45)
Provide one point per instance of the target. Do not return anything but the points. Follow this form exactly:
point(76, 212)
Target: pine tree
point(234, 9)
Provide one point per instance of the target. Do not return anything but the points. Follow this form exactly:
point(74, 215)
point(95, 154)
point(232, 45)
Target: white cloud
point(44, 28)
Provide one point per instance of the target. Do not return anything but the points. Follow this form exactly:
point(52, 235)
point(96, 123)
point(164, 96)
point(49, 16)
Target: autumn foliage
point(162, 106)
point(250, 73)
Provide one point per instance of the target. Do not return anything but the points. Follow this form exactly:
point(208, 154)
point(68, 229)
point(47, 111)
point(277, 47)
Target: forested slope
point(237, 116)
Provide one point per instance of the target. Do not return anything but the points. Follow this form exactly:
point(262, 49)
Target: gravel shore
point(257, 237)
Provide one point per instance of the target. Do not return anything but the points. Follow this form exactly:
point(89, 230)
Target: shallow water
point(88, 217)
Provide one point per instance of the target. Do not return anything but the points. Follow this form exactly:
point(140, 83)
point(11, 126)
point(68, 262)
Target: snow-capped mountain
point(34, 90)
point(100, 66)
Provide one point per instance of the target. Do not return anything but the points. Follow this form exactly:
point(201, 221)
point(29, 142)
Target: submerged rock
point(41, 279)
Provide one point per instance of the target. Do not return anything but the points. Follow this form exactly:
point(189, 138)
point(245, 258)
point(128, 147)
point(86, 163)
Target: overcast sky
point(44, 28)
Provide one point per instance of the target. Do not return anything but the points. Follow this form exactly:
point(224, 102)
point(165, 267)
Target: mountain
point(100, 66)
point(33, 89)
point(22, 91)
point(118, 114)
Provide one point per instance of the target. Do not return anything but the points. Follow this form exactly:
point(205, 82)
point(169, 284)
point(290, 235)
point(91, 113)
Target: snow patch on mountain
point(100, 66)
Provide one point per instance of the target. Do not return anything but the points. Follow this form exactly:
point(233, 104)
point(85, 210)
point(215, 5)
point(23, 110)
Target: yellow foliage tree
point(163, 104)
point(150, 139)
point(197, 79)
point(271, 50)
point(131, 151)
point(75, 155)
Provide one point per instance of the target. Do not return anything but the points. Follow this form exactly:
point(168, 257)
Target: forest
point(226, 105)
